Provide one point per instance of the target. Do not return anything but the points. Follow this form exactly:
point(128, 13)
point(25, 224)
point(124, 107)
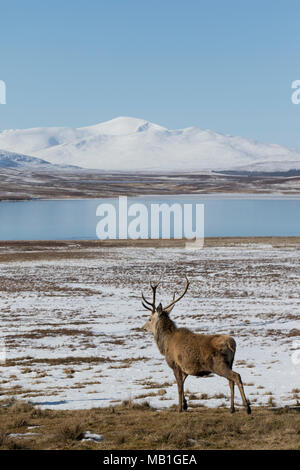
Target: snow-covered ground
point(71, 327)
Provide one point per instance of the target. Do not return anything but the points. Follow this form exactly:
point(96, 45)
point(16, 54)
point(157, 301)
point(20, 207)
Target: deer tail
point(231, 344)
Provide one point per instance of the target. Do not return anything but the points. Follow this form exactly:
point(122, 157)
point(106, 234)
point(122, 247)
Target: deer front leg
point(180, 378)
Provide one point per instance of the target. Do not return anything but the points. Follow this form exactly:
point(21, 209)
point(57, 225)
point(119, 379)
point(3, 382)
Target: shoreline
point(81, 248)
point(21, 251)
point(33, 185)
point(207, 196)
point(157, 242)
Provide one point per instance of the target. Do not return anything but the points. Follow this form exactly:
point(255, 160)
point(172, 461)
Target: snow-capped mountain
point(125, 144)
point(11, 160)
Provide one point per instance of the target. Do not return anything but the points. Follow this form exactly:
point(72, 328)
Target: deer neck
point(164, 328)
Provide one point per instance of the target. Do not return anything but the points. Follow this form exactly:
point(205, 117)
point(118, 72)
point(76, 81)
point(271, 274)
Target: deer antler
point(168, 307)
point(152, 304)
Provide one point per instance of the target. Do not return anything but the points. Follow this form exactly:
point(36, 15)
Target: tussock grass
point(132, 405)
point(19, 407)
point(70, 431)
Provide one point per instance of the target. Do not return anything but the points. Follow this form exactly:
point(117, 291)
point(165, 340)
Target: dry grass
point(36, 334)
point(11, 251)
point(72, 430)
point(138, 426)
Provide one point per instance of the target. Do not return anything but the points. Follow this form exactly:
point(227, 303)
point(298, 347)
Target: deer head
point(156, 312)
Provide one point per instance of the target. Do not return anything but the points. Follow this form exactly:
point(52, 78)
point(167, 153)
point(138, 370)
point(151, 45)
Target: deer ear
point(159, 309)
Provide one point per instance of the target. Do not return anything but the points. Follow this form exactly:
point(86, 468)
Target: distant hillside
point(130, 144)
point(19, 161)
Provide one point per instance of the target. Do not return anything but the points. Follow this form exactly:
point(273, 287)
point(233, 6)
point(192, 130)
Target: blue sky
point(221, 65)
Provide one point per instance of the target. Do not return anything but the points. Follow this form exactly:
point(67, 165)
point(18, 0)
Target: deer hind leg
point(231, 385)
point(184, 402)
point(237, 379)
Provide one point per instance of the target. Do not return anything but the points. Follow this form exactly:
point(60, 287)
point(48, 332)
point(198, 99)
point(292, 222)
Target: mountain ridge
point(133, 144)
point(13, 160)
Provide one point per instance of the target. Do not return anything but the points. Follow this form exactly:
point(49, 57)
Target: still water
point(76, 219)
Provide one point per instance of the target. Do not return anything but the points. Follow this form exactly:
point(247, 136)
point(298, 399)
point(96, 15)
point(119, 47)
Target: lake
point(225, 216)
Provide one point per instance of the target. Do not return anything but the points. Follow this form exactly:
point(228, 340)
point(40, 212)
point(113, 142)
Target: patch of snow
point(23, 435)
point(88, 436)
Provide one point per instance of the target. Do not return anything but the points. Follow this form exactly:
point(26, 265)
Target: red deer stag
point(188, 353)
